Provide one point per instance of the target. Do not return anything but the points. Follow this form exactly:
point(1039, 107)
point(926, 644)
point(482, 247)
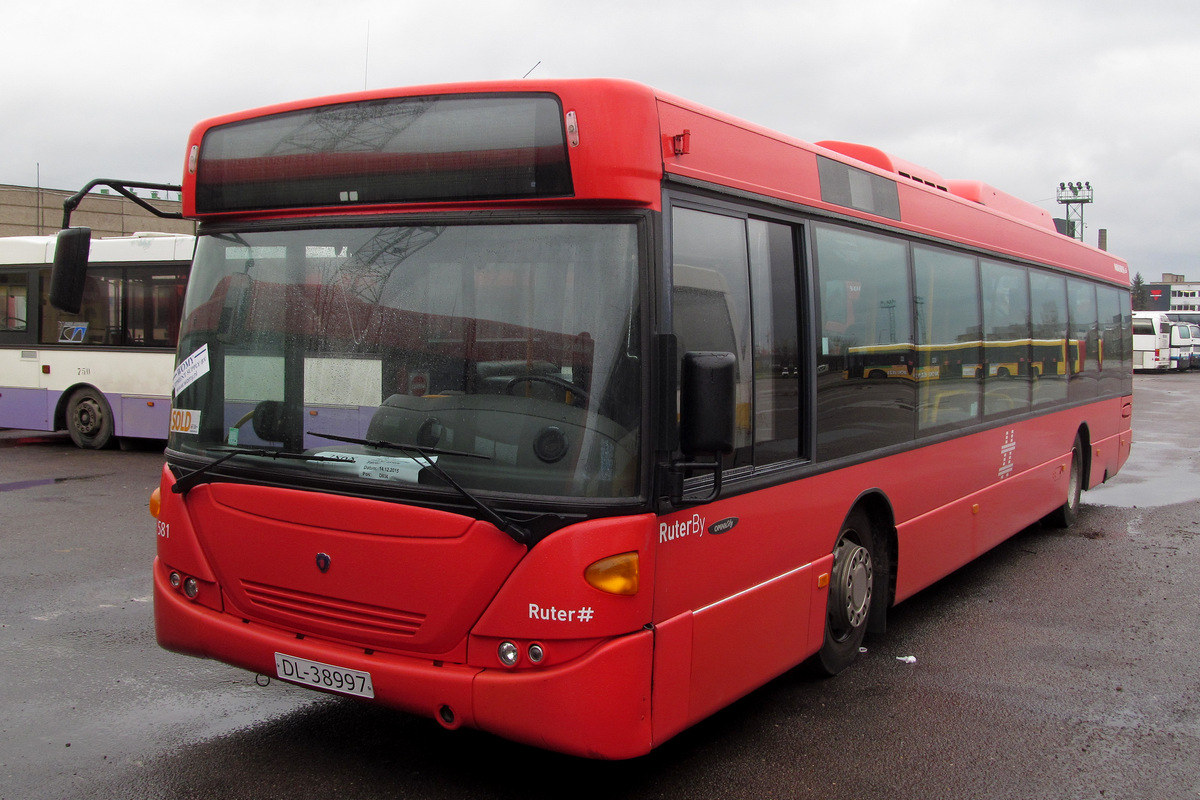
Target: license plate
point(324, 676)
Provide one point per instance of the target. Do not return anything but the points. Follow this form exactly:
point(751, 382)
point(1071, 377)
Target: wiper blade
point(516, 532)
point(385, 445)
point(192, 478)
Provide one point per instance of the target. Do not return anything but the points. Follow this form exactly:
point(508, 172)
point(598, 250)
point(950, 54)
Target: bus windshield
point(509, 353)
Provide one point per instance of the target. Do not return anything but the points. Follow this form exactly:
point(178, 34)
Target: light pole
point(1074, 196)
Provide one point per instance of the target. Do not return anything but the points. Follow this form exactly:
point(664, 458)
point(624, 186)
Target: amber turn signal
point(616, 574)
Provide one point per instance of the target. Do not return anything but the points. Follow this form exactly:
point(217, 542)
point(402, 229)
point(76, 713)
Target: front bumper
point(597, 705)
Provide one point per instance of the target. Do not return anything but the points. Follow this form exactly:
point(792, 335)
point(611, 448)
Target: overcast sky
point(1021, 94)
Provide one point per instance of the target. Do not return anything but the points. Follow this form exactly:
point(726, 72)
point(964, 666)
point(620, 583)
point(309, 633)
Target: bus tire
point(89, 419)
point(851, 587)
point(1065, 515)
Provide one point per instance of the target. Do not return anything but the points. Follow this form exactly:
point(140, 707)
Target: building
point(35, 211)
point(1173, 293)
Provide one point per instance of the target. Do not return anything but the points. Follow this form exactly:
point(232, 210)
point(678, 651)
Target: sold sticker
point(185, 421)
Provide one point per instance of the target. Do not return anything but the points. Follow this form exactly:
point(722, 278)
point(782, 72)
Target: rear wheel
point(1064, 516)
point(851, 587)
point(89, 420)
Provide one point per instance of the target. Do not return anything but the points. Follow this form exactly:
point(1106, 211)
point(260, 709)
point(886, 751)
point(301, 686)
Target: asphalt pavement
point(1062, 664)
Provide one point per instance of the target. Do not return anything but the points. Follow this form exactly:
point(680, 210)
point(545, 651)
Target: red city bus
point(526, 406)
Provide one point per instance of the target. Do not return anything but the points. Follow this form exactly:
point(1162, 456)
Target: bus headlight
point(508, 653)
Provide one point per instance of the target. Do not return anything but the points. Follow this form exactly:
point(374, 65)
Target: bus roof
point(625, 139)
point(142, 246)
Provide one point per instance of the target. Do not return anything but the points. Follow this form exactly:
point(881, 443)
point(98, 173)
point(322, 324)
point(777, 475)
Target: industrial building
point(36, 211)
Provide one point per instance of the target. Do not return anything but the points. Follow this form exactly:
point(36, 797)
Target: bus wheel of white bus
point(851, 586)
point(89, 420)
point(1064, 516)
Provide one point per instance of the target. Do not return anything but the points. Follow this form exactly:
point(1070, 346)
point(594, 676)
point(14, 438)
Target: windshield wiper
point(192, 478)
point(385, 445)
point(519, 535)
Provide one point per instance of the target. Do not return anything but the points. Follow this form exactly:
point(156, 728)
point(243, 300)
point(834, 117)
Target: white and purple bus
point(103, 374)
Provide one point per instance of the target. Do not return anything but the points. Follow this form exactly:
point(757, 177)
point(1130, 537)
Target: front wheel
point(89, 420)
point(851, 587)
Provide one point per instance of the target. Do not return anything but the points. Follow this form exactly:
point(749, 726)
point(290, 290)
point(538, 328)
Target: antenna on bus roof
point(367, 55)
point(531, 69)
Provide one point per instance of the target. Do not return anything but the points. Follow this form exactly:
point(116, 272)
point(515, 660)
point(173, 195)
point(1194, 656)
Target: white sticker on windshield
point(191, 369)
point(388, 469)
point(185, 420)
point(384, 468)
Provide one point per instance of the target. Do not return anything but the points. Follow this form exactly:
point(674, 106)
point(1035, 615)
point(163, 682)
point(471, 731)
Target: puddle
point(18, 485)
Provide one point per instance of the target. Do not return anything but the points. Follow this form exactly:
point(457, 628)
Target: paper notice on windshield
point(381, 468)
point(191, 369)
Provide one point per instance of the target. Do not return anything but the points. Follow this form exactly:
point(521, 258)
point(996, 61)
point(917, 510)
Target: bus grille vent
point(333, 611)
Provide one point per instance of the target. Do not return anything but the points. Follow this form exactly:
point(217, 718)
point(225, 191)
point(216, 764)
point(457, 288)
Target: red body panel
point(544, 597)
point(417, 589)
point(731, 152)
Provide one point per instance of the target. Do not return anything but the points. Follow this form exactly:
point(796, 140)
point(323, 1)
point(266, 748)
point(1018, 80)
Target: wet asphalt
point(1062, 664)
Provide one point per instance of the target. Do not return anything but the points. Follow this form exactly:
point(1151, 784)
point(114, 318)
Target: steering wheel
point(580, 398)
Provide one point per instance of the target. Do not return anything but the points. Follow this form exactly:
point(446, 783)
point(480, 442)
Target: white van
point(1181, 346)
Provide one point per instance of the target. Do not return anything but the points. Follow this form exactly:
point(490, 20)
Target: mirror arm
point(124, 189)
point(680, 471)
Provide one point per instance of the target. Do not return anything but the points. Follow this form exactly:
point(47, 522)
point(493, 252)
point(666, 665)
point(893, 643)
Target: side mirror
point(276, 421)
point(707, 403)
point(69, 275)
point(270, 421)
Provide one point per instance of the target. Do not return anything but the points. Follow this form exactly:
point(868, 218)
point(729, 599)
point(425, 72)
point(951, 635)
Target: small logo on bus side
point(1006, 453)
point(724, 526)
point(323, 562)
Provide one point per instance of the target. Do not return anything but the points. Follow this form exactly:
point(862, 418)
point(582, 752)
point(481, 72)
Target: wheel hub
point(86, 418)
point(851, 587)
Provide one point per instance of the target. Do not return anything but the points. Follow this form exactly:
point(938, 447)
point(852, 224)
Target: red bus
point(526, 406)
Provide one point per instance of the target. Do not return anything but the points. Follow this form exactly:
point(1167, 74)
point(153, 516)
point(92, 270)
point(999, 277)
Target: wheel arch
point(1085, 451)
point(878, 509)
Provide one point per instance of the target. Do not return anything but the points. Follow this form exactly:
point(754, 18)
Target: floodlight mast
point(1074, 195)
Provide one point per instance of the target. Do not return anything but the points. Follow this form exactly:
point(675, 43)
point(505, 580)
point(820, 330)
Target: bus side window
point(865, 393)
point(1084, 343)
point(1006, 385)
point(773, 279)
point(1049, 322)
point(949, 343)
point(711, 302)
point(14, 302)
point(1112, 342)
